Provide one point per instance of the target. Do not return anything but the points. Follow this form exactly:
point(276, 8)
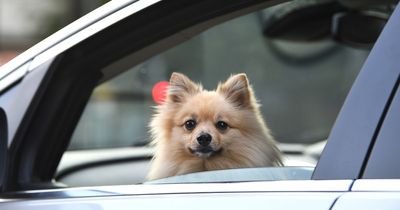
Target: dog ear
point(237, 90)
point(181, 87)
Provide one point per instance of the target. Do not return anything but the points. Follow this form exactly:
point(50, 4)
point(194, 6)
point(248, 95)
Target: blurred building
point(24, 23)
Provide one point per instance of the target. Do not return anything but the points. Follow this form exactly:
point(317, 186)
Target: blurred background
point(24, 23)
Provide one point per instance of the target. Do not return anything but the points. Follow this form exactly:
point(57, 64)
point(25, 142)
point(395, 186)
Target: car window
point(300, 85)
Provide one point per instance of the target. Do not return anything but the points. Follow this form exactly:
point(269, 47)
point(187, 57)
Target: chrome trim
point(376, 185)
point(62, 34)
point(90, 30)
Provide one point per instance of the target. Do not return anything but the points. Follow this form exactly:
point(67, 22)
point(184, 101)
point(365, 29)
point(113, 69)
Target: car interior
point(301, 58)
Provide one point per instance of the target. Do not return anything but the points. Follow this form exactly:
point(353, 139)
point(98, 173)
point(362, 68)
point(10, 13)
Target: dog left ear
point(237, 90)
point(180, 87)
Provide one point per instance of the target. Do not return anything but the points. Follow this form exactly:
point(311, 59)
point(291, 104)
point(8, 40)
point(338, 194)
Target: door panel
point(201, 201)
point(368, 201)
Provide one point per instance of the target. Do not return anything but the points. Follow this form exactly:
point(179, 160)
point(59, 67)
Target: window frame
point(48, 124)
point(71, 76)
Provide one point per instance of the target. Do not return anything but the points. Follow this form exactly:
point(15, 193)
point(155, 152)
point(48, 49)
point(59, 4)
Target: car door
point(69, 78)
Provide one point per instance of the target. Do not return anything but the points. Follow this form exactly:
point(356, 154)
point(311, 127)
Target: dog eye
point(221, 125)
point(190, 125)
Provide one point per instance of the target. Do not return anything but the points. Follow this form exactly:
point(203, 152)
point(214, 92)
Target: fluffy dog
point(198, 130)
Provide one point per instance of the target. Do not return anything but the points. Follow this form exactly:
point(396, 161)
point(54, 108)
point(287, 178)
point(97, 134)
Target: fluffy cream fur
point(246, 142)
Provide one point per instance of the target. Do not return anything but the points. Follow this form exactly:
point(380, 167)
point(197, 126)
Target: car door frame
point(72, 66)
point(51, 117)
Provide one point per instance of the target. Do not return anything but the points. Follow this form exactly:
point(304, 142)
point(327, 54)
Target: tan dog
point(198, 130)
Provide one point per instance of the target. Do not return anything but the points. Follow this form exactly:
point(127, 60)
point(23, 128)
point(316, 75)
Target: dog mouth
point(204, 152)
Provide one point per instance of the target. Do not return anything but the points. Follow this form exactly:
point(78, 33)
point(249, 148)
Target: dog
point(198, 130)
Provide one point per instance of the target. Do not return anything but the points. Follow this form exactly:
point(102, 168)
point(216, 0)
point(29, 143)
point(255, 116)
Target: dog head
point(206, 123)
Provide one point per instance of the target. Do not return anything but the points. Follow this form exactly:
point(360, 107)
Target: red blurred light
point(159, 91)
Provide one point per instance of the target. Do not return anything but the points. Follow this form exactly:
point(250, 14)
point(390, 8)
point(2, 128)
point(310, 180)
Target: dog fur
point(228, 116)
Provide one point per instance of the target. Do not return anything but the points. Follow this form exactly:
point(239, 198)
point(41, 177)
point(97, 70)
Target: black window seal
point(3, 148)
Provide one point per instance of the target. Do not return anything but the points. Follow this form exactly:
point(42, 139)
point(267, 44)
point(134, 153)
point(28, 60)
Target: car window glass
point(300, 85)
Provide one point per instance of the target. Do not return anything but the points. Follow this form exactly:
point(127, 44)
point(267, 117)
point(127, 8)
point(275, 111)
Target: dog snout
point(204, 139)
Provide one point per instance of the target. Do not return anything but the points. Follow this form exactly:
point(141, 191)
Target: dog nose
point(204, 139)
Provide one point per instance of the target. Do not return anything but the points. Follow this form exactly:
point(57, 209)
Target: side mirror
point(304, 21)
point(301, 20)
point(3, 148)
point(358, 29)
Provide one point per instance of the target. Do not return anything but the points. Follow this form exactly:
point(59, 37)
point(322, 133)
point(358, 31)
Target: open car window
point(300, 84)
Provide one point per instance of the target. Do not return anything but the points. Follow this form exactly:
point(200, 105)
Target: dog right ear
point(237, 90)
point(180, 87)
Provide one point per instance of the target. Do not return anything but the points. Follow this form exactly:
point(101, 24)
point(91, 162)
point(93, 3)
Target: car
point(74, 109)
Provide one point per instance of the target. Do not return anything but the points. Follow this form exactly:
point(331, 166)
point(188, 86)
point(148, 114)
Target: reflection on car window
point(301, 85)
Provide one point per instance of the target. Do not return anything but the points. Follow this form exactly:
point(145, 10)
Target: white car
point(74, 109)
